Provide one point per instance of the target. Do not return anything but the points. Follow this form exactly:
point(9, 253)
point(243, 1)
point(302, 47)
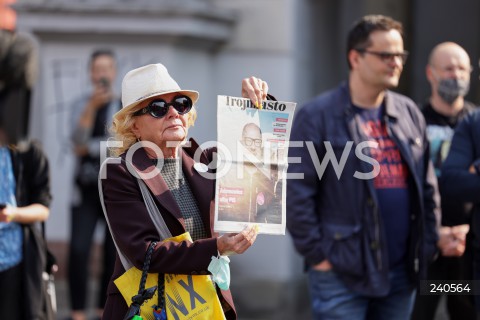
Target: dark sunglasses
point(159, 108)
point(387, 57)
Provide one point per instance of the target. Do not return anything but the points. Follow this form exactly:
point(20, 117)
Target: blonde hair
point(121, 129)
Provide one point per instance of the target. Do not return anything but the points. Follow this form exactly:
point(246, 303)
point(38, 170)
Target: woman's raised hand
point(255, 89)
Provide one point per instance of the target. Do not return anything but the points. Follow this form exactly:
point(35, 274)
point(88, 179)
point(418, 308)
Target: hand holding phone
point(102, 93)
point(104, 83)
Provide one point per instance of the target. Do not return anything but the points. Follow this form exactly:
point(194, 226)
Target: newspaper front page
point(252, 164)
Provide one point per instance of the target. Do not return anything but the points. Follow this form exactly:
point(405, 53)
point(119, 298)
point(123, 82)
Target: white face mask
point(220, 270)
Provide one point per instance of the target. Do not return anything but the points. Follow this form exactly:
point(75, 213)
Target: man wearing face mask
point(448, 72)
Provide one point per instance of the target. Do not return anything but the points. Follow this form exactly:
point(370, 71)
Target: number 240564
point(449, 288)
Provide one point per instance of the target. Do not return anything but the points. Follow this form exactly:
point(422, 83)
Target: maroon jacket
point(133, 229)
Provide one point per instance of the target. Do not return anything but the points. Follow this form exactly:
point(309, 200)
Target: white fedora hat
point(147, 82)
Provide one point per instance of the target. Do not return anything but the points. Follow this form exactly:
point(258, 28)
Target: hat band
point(156, 93)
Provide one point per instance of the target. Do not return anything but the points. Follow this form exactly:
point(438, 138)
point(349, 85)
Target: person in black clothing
point(91, 115)
point(25, 191)
point(448, 72)
point(24, 188)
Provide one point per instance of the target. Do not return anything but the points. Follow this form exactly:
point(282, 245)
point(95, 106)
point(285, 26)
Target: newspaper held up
point(252, 164)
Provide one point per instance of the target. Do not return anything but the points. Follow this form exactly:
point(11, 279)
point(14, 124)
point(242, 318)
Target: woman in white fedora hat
point(152, 127)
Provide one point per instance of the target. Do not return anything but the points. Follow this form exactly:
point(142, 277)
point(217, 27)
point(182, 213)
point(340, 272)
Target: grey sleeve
point(79, 136)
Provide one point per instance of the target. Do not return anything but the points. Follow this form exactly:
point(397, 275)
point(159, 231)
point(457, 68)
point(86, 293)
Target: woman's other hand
point(255, 89)
point(236, 243)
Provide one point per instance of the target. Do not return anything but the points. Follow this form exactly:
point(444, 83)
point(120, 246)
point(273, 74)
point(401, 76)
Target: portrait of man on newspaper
point(249, 186)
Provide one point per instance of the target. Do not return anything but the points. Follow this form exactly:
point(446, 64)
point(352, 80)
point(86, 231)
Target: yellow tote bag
point(187, 297)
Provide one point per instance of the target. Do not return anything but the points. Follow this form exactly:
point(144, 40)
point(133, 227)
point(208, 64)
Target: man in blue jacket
point(366, 223)
point(460, 179)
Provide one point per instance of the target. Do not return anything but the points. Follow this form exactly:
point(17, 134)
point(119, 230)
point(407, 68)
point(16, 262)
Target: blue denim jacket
point(336, 217)
point(10, 232)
